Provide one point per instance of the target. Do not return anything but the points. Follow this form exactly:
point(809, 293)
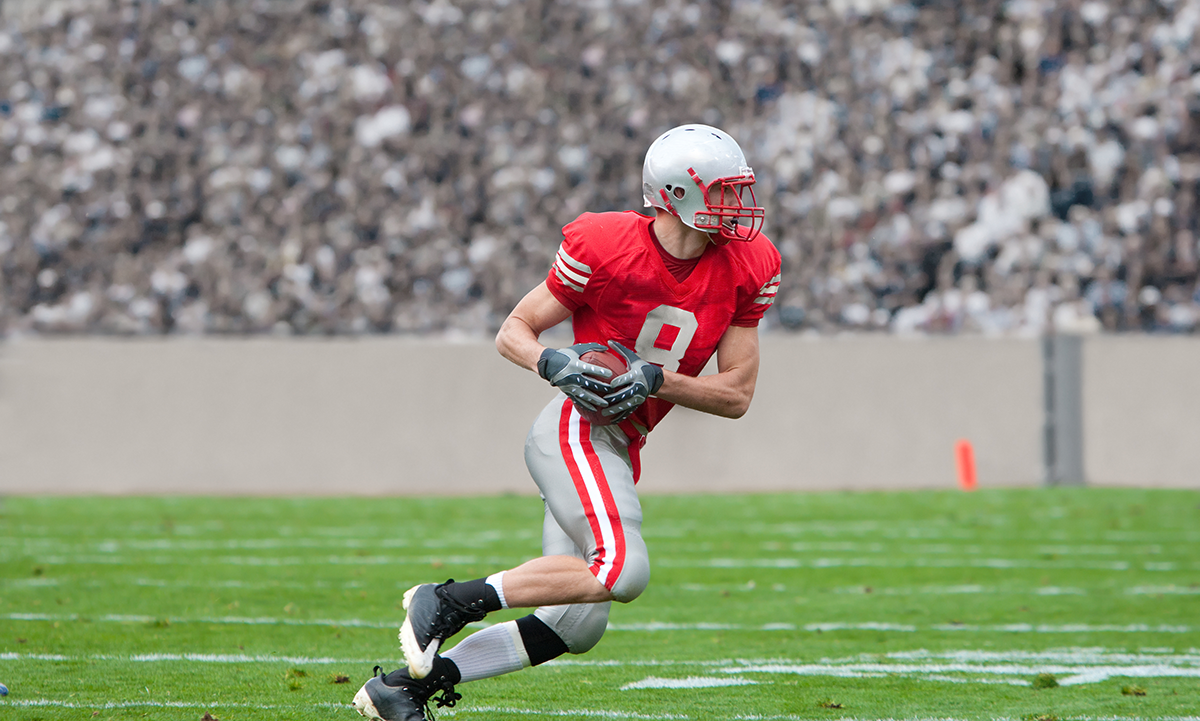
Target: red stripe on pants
point(568, 454)
point(610, 505)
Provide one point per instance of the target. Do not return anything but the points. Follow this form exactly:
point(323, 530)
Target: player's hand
point(633, 387)
point(564, 370)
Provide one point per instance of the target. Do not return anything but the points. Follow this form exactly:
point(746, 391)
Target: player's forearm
point(518, 342)
point(726, 394)
point(517, 339)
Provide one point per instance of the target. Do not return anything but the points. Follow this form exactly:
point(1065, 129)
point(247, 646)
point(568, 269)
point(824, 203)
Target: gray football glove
point(632, 387)
point(564, 370)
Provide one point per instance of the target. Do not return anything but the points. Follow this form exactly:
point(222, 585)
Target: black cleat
point(397, 697)
point(432, 617)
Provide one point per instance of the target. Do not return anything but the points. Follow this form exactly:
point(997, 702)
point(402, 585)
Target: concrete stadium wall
point(1141, 411)
point(396, 416)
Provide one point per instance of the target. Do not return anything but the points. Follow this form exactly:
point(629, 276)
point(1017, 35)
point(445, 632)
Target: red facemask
point(729, 216)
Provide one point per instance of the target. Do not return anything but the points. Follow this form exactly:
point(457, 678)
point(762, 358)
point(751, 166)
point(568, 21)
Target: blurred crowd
point(359, 166)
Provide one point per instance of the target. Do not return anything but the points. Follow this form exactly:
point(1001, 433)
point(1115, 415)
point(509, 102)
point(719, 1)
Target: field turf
point(1019, 604)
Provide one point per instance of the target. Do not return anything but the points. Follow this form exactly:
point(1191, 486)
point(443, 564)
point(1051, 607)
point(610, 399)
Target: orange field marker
point(965, 455)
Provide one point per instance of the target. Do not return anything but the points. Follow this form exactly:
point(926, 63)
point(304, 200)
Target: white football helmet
point(699, 173)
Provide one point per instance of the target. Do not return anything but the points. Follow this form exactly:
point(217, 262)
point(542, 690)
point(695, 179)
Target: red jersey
point(612, 278)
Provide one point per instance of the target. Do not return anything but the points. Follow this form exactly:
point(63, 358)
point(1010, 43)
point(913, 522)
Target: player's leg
point(528, 641)
point(591, 531)
point(511, 646)
point(552, 630)
point(576, 627)
point(585, 476)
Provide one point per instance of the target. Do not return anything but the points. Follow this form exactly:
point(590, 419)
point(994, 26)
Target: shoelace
point(447, 699)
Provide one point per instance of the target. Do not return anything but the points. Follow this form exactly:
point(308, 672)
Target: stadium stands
point(368, 167)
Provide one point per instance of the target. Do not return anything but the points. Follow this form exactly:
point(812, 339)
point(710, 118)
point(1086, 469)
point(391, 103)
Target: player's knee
point(635, 576)
point(580, 626)
point(588, 632)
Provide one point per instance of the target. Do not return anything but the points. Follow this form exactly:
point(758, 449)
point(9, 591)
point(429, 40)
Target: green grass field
point(1021, 604)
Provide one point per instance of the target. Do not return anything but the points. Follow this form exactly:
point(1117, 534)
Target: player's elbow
point(509, 336)
point(739, 404)
point(737, 411)
point(501, 342)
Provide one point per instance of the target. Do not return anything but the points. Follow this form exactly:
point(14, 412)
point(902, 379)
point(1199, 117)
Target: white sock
point(496, 581)
point(494, 651)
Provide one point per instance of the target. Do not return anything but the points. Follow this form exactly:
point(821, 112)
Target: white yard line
point(194, 657)
point(467, 710)
point(785, 562)
point(794, 717)
point(1168, 590)
point(1067, 675)
point(58, 703)
point(1071, 666)
point(220, 620)
point(748, 587)
point(650, 627)
point(1062, 656)
point(454, 556)
point(591, 713)
point(968, 546)
point(268, 561)
point(689, 682)
point(1064, 628)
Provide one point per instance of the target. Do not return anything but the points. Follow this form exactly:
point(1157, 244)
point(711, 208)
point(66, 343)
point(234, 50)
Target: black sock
point(441, 667)
point(444, 667)
point(477, 592)
point(541, 642)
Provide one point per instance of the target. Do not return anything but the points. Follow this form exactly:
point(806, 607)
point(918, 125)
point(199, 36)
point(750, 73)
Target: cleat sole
point(420, 663)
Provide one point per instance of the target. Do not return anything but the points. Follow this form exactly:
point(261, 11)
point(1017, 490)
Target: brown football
point(606, 359)
point(614, 363)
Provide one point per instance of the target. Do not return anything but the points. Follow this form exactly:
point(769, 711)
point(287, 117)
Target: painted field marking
point(963, 589)
point(792, 717)
point(309, 540)
point(527, 712)
point(689, 682)
point(1073, 665)
point(1096, 656)
point(1074, 675)
point(749, 587)
point(220, 620)
point(930, 529)
point(593, 713)
point(273, 561)
point(512, 711)
point(649, 627)
point(993, 563)
point(1064, 628)
point(194, 657)
point(58, 703)
point(1172, 589)
point(891, 546)
point(109, 705)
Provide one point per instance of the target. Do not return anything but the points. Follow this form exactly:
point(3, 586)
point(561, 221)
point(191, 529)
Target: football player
point(665, 293)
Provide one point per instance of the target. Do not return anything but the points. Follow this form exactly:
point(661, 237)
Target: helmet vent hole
point(678, 192)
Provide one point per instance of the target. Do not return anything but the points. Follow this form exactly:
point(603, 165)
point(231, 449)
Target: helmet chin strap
point(718, 239)
point(676, 231)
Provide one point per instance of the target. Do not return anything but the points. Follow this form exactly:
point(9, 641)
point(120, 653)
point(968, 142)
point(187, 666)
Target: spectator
point(357, 167)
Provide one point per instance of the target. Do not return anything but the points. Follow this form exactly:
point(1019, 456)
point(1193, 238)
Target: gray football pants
point(592, 512)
